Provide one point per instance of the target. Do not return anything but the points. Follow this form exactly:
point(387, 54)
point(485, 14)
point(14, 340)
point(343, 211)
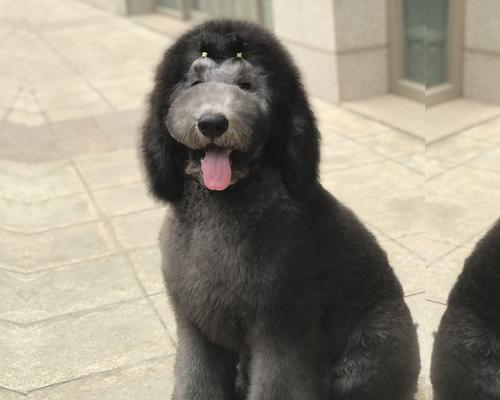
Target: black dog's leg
point(280, 370)
point(203, 370)
point(466, 357)
point(381, 360)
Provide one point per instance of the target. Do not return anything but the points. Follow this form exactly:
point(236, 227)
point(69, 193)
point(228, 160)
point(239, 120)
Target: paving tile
point(489, 131)
point(124, 199)
point(409, 268)
point(110, 169)
point(36, 119)
point(45, 181)
point(348, 124)
point(164, 308)
point(10, 395)
point(393, 144)
point(122, 128)
point(151, 380)
point(48, 214)
point(489, 160)
point(147, 264)
point(127, 96)
point(434, 167)
point(429, 250)
point(81, 136)
point(17, 117)
point(395, 111)
point(85, 110)
point(461, 203)
point(37, 296)
point(457, 149)
point(340, 153)
point(65, 94)
point(27, 144)
point(417, 161)
point(13, 353)
point(386, 195)
point(99, 341)
point(457, 115)
point(139, 229)
point(26, 253)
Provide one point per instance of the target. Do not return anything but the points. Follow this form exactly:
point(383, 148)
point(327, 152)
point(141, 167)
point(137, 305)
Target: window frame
point(399, 84)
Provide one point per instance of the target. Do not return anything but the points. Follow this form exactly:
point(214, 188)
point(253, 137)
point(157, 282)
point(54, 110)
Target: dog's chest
point(211, 272)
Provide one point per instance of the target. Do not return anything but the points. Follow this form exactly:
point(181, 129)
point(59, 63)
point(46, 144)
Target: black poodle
point(280, 293)
point(466, 356)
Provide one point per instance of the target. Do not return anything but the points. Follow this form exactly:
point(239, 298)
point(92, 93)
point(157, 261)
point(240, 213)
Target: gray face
point(233, 90)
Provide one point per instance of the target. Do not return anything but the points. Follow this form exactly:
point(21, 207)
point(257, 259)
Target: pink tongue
point(216, 168)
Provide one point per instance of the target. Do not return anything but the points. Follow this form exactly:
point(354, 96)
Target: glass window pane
point(239, 9)
point(267, 13)
point(173, 4)
point(426, 49)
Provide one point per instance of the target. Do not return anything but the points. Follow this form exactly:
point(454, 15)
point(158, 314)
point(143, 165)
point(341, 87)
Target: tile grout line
point(13, 391)
point(72, 263)
point(395, 160)
point(464, 162)
point(104, 372)
point(464, 129)
point(74, 69)
point(94, 220)
point(79, 313)
point(70, 194)
point(10, 108)
point(122, 250)
point(384, 123)
point(458, 246)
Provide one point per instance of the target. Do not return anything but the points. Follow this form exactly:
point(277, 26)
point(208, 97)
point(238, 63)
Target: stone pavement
point(83, 311)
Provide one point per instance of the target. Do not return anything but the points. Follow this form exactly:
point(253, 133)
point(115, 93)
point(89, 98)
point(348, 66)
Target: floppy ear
point(163, 158)
point(300, 159)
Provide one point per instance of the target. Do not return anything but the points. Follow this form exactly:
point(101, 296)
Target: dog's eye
point(245, 86)
point(196, 83)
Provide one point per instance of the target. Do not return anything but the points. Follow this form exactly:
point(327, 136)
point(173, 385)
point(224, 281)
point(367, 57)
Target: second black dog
point(466, 357)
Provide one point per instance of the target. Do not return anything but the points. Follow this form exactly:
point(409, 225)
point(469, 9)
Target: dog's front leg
point(203, 370)
point(281, 371)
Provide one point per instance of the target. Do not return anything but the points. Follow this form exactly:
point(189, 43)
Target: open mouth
point(216, 167)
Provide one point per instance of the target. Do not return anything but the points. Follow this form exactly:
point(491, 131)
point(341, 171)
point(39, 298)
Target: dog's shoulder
point(478, 285)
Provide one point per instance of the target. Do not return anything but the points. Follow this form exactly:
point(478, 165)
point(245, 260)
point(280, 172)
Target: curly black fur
point(466, 356)
point(280, 293)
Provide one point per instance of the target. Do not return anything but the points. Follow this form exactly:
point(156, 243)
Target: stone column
point(482, 50)
point(340, 45)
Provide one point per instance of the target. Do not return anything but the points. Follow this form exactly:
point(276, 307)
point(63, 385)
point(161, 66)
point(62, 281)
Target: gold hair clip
point(204, 54)
point(239, 55)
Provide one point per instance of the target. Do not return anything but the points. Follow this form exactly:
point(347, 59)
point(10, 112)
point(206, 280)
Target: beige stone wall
point(482, 50)
point(340, 45)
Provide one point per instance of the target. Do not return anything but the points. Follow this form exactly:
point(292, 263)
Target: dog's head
point(228, 101)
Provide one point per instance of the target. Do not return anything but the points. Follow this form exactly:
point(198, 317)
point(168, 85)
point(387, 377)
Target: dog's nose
point(212, 125)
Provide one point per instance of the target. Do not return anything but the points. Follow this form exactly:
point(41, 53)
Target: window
point(254, 10)
point(425, 56)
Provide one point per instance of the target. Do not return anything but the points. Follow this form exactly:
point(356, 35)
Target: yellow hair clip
point(239, 55)
point(204, 54)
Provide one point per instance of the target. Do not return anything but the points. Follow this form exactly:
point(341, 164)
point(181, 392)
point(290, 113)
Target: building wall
point(340, 45)
point(482, 50)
